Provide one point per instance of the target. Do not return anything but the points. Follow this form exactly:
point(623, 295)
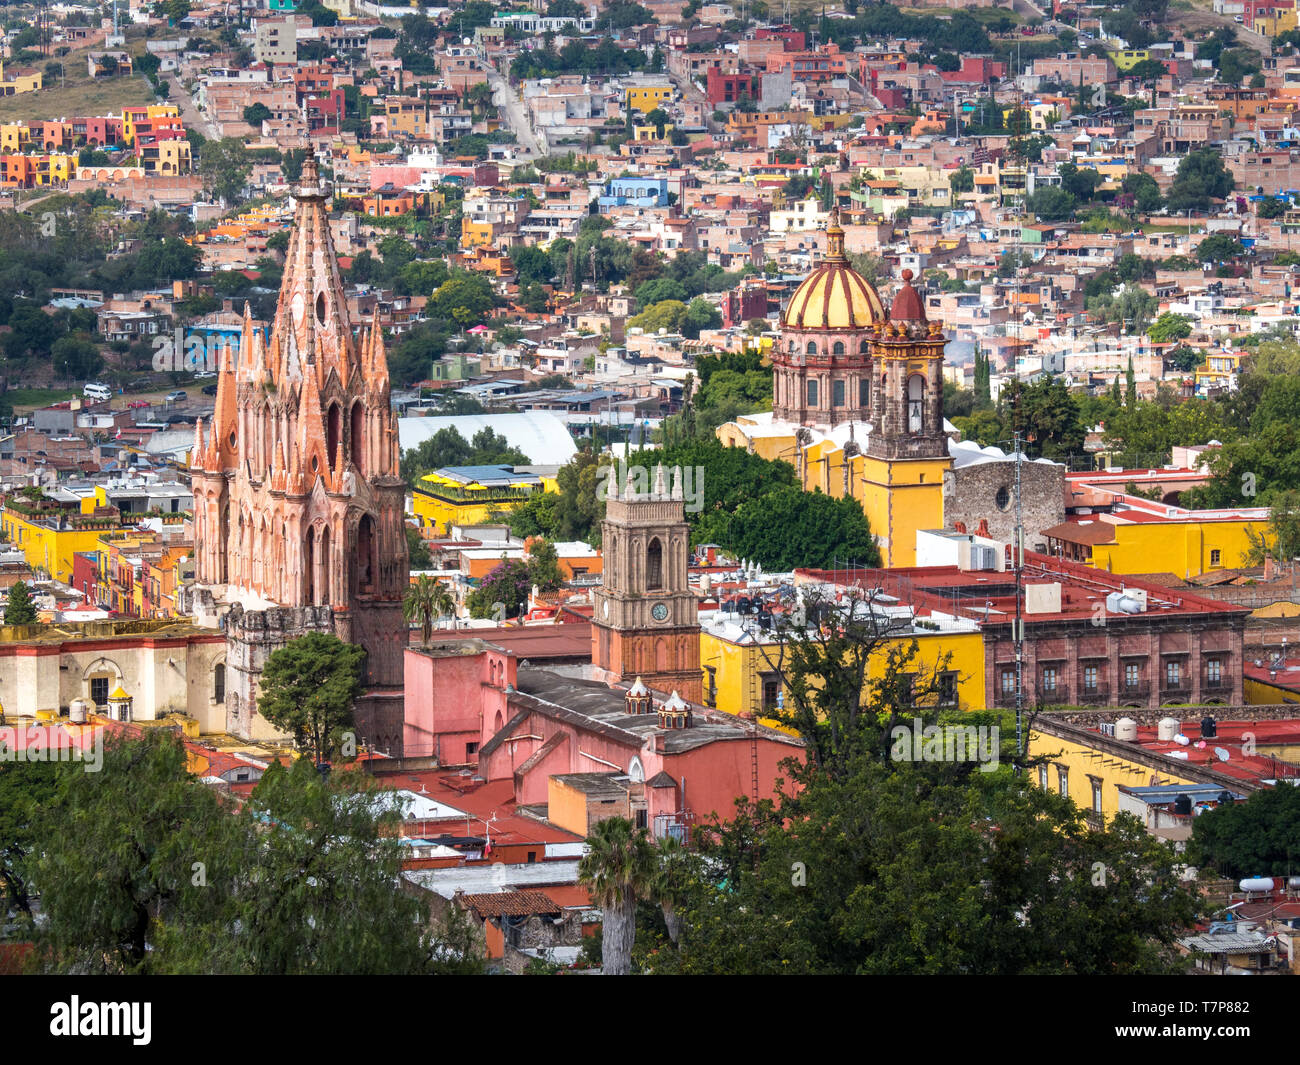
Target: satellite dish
point(1220, 754)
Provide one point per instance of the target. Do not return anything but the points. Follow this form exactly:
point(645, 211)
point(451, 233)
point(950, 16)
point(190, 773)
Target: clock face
point(659, 611)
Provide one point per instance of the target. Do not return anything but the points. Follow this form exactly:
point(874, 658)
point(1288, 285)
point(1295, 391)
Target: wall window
point(837, 393)
point(1008, 682)
point(99, 690)
point(1063, 780)
point(710, 686)
point(812, 348)
point(1214, 672)
point(1215, 555)
point(654, 565)
point(837, 348)
point(771, 692)
point(1096, 794)
point(1090, 678)
point(1049, 678)
point(219, 682)
point(1042, 777)
point(1173, 674)
point(948, 689)
point(1132, 675)
point(812, 393)
point(864, 393)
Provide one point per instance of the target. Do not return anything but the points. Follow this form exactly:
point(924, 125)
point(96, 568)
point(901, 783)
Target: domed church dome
point(834, 296)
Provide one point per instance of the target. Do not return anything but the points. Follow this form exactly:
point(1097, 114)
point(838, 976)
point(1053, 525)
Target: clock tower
point(646, 619)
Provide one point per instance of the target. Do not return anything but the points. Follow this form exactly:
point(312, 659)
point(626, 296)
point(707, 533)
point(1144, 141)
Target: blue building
point(635, 192)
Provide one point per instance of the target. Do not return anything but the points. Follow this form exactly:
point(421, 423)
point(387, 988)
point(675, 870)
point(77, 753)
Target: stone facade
point(985, 492)
point(1132, 658)
point(298, 498)
point(646, 620)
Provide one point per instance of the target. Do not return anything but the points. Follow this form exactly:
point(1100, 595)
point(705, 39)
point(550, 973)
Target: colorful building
point(645, 98)
point(50, 533)
point(740, 675)
point(858, 401)
point(473, 495)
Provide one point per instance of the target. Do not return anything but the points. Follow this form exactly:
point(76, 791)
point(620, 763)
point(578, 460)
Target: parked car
point(209, 390)
point(205, 375)
point(176, 397)
point(136, 404)
point(98, 392)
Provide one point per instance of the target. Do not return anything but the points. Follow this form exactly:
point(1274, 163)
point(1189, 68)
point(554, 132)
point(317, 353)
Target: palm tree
point(671, 877)
point(619, 869)
point(426, 600)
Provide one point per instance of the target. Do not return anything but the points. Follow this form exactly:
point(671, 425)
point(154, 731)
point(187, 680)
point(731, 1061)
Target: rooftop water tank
point(1126, 729)
point(78, 711)
point(1167, 729)
point(1255, 884)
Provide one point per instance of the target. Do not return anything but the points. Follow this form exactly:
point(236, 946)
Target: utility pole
point(1018, 561)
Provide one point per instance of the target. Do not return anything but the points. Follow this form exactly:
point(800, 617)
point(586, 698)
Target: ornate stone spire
point(835, 239)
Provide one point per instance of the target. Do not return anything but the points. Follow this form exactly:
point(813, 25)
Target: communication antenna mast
point(1018, 559)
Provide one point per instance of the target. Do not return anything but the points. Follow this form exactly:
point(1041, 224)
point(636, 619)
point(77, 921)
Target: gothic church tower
point(298, 501)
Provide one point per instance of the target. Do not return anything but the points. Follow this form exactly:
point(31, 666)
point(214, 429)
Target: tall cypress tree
point(1130, 387)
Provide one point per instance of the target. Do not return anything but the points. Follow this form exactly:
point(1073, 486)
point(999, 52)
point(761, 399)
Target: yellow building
point(14, 137)
point(1186, 543)
point(1219, 372)
point(645, 98)
point(473, 495)
point(1090, 768)
point(50, 536)
point(740, 674)
point(1281, 20)
point(857, 404)
point(145, 114)
point(1129, 58)
point(14, 84)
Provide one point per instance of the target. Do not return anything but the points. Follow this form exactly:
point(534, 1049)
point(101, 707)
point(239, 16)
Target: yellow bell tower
point(907, 453)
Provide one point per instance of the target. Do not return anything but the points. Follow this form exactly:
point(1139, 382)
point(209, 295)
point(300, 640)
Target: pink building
point(471, 702)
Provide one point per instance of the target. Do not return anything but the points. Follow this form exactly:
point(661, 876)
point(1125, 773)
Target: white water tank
point(1167, 728)
point(1126, 729)
point(78, 711)
point(1255, 884)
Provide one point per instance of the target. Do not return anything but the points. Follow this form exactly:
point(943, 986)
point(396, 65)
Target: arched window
point(654, 565)
point(792, 346)
point(364, 563)
point(219, 682)
point(320, 308)
point(309, 568)
point(358, 431)
point(864, 348)
point(812, 347)
point(915, 403)
point(333, 431)
point(838, 349)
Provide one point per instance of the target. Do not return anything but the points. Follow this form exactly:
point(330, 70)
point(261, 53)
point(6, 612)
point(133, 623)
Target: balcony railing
point(1221, 683)
point(1098, 693)
point(1178, 690)
point(1134, 691)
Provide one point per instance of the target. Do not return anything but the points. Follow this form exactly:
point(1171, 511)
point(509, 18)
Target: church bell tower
point(646, 618)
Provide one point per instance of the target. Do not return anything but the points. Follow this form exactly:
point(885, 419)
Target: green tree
point(76, 357)
point(1170, 326)
point(788, 527)
point(1219, 247)
point(117, 858)
point(224, 166)
point(962, 180)
point(1201, 178)
point(26, 788)
point(503, 592)
point(447, 448)
point(425, 601)
point(1281, 539)
point(256, 114)
point(1257, 837)
point(1144, 190)
point(19, 608)
point(544, 566)
point(417, 551)
point(906, 874)
point(308, 689)
point(618, 869)
point(1130, 387)
point(1051, 204)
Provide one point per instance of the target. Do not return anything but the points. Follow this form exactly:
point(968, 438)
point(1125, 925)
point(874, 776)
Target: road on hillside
point(189, 112)
point(512, 108)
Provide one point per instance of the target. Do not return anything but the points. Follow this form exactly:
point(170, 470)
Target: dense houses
point(880, 228)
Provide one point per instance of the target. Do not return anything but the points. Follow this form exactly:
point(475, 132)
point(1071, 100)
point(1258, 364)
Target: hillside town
point(619, 487)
